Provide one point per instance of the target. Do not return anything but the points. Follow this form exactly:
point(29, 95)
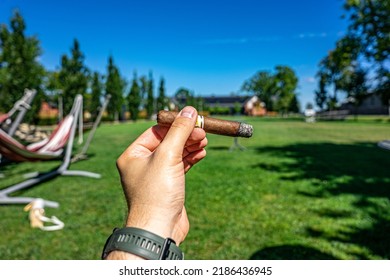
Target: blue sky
point(209, 47)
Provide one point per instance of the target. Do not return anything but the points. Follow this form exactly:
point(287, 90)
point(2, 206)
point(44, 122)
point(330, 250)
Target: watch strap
point(142, 243)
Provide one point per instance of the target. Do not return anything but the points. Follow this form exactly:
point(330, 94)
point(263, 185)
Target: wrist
point(155, 227)
point(160, 226)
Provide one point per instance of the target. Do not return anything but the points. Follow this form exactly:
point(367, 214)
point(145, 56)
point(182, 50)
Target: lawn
point(299, 191)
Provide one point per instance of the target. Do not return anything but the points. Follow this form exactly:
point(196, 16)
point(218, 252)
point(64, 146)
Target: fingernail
point(187, 112)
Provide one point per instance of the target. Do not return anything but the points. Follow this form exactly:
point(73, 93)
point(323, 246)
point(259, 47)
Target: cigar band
point(200, 122)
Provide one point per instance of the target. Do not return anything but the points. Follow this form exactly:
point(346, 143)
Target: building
point(230, 105)
point(254, 107)
point(371, 105)
point(48, 111)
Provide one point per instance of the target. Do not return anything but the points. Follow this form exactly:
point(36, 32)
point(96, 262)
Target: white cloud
point(225, 41)
point(267, 39)
point(310, 80)
point(260, 39)
point(311, 35)
point(240, 40)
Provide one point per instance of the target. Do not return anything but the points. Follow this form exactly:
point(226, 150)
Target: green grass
point(299, 191)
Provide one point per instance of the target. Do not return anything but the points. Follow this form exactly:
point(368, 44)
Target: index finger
point(147, 142)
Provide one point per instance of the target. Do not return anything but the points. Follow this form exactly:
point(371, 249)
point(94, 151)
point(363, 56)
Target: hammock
point(52, 148)
point(47, 149)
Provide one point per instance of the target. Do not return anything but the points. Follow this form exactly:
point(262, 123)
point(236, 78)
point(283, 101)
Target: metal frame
point(83, 154)
point(62, 170)
point(22, 106)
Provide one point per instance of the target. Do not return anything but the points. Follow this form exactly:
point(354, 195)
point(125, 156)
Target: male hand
point(152, 172)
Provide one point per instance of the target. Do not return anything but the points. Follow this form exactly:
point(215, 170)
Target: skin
point(152, 171)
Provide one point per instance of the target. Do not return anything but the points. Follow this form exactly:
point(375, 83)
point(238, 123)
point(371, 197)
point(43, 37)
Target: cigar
point(210, 125)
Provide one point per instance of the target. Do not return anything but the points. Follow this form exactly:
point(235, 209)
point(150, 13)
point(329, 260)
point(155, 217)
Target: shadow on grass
point(361, 170)
point(18, 172)
point(6, 165)
point(290, 252)
point(10, 169)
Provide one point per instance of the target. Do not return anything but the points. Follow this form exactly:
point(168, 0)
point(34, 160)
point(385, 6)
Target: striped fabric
point(57, 139)
point(15, 151)
point(47, 149)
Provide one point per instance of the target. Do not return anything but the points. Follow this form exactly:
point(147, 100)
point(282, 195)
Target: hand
point(152, 172)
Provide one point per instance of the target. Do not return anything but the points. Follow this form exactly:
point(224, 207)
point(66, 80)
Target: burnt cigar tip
point(245, 130)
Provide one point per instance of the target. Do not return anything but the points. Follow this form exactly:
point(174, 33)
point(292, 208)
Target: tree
point(200, 104)
point(73, 76)
point(294, 105)
point(369, 20)
point(286, 83)
point(335, 67)
point(321, 95)
point(143, 85)
point(276, 90)
point(184, 97)
point(114, 86)
point(309, 106)
point(150, 98)
point(355, 86)
point(364, 49)
point(52, 81)
point(19, 66)
point(383, 90)
point(96, 94)
point(134, 98)
point(161, 99)
point(263, 85)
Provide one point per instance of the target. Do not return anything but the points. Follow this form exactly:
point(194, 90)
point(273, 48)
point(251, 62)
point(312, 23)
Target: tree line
point(359, 63)
point(20, 68)
point(357, 66)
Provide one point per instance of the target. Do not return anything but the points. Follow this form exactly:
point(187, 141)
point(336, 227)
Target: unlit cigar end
point(245, 130)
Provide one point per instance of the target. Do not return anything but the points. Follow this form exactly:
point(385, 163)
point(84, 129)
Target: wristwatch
point(142, 243)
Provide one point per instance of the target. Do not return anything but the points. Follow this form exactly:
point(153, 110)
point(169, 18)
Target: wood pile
point(31, 133)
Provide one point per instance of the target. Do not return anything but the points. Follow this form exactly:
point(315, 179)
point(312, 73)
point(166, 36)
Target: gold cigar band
point(200, 122)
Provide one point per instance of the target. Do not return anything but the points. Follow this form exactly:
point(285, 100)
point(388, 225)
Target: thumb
point(180, 130)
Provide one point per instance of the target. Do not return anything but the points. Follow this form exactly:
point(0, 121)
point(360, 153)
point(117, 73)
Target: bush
point(48, 121)
point(218, 110)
